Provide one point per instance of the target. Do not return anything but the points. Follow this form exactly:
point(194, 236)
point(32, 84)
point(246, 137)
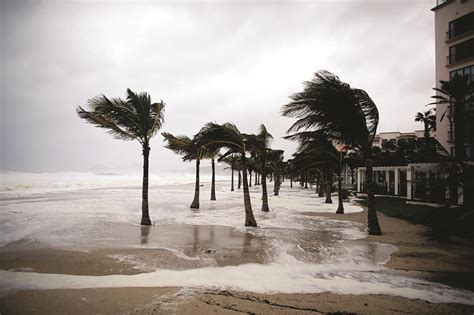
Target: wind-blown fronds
point(135, 118)
point(181, 145)
point(226, 136)
point(341, 113)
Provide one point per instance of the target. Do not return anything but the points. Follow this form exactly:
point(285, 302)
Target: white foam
point(303, 253)
point(298, 278)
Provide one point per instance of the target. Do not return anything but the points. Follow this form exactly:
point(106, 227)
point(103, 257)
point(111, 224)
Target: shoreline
point(416, 256)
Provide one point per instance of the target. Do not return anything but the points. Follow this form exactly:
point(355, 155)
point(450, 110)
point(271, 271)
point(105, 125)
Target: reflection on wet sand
point(144, 235)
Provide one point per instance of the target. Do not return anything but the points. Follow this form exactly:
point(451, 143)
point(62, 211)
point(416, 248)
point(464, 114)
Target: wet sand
point(201, 246)
point(175, 301)
point(220, 246)
point(449, 263)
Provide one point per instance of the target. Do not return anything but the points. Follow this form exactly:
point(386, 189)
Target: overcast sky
point(209, 61)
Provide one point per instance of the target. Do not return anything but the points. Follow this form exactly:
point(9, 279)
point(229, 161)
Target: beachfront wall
point(417, 182)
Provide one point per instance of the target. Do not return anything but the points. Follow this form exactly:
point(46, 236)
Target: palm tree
point(260, 143)
point(456, 93)
point(233, 163)
point(428, 118)
point(135, 118)
point(344, 115)
point(228, 136)
point(189, 151)
point(275, 165)
point(318, 155)
point(213, 176)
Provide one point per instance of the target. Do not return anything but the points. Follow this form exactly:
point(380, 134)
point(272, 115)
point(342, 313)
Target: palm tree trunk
point(291, 181)
point(372, 220)
point(213, 182)
point(426, 131)
point(280, 180)
point(459, 131)
point(249, 218)
point(240, 180)
point(256, 179)
point(328, 189)
point(275, 186)
point(195, 203)
point(321, 186)
point(232, 179)
point(265, 207)
point(250, 181)
point(340, 207)
point(145, 213)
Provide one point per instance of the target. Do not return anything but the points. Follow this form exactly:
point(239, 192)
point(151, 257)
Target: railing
point(451, 59)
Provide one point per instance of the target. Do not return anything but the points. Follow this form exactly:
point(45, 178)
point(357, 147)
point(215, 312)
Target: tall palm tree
point(135, 118)
point(189, 151)
point(344, 115)
point(261, 143)
point(228, 136)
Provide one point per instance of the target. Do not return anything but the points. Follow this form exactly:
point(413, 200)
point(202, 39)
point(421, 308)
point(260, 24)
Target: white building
point(454, 51)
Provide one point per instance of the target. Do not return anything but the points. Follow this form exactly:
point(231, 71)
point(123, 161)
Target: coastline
point(416, 256)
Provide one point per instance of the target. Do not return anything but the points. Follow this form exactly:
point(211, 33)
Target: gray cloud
point(210, 61)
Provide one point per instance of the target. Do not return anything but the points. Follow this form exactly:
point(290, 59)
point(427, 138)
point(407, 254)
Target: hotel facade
point(454, 54)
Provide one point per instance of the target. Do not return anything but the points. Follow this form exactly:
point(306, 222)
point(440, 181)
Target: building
point(394, 136)
point(428, 182)
point(454, 51)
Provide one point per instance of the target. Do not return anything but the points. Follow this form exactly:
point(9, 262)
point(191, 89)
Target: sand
point(447, 263)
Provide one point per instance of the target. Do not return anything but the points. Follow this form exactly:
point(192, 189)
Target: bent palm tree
point(344, 115)
point(135, 118)
point(189, 151)
point(228, 136)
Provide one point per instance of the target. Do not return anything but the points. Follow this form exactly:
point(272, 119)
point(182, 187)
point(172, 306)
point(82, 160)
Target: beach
point(91, 256)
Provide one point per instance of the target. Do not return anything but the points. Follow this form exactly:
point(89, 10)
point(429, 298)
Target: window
point(461, 25)
point(465, 72)
point(461, 51)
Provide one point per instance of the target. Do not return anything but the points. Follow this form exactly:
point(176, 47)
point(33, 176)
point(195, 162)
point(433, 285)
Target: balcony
point(460, 27)
point(461, 52)
point(453, 35)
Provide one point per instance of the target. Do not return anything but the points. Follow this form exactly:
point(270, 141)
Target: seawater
point(304, 254)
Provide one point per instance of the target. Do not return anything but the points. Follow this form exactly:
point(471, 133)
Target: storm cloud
point(209, 61)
